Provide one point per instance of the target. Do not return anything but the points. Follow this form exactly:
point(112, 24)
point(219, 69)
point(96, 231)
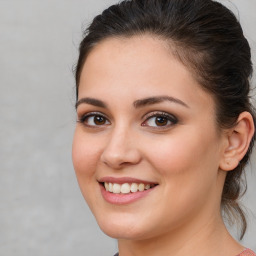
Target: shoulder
point(247, 252)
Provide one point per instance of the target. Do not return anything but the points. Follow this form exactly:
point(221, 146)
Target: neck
point(207, 238)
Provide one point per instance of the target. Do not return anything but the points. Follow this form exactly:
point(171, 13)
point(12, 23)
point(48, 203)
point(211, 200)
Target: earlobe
point(238, 141)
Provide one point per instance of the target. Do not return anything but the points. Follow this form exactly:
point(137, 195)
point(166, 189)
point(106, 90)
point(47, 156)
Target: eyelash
point(170, 119)
point(85, 118)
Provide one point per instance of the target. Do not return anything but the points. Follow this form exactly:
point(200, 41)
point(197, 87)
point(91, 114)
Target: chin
point(125, 227)
point(118, 232)
point(118, 228)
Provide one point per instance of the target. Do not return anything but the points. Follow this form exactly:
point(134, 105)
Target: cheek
point(85, 156)
point(184, 150)
point(188, 169)
point(187, 163)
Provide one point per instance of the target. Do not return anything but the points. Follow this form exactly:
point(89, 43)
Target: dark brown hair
point(207, 38)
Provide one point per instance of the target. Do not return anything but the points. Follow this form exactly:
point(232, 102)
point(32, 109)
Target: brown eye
point(99, 120)
point(94, 120)
point(161, 121)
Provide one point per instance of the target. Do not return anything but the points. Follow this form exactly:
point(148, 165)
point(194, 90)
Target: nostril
point(117, 155)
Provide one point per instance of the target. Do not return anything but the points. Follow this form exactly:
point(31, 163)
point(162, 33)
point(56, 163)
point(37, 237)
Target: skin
point(187, 158)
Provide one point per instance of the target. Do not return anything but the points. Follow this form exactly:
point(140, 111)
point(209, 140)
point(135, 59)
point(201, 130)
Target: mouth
point(124, 190)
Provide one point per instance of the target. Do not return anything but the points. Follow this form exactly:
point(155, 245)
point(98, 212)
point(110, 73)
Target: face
point(147, 130)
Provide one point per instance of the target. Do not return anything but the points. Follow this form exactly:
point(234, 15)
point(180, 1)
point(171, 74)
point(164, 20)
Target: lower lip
point(120, 199)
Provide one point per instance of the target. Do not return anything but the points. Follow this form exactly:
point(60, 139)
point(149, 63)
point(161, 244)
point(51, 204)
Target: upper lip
point(121, 180)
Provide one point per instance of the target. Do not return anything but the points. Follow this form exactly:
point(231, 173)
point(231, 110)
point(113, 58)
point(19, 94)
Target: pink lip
point(122, 199)
point(124, 180)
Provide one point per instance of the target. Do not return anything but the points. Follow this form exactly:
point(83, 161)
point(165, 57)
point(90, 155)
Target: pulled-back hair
point(207, 38)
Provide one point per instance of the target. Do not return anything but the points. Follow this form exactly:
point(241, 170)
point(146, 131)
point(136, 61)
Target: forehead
point(140, 66)
point(143, 49)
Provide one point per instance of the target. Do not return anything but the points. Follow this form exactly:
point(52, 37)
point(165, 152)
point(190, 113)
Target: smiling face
point(143, 119)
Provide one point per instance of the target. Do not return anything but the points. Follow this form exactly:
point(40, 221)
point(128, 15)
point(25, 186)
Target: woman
point(165, 126)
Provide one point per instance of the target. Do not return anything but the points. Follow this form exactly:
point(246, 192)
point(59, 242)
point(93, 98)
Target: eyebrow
point(158, 99)
point(91, 101)
point(137, 104)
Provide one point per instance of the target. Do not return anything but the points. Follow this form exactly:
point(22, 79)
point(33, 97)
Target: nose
point(121, 150)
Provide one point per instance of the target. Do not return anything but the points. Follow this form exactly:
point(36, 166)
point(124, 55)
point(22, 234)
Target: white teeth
point(110, 187)
point(126, 188)
point(134, 187)
point(147, 187)
point(106, 186)
point(116, 188)
point(141, 187)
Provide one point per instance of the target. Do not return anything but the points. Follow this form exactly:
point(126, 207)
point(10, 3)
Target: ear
point(237, 141)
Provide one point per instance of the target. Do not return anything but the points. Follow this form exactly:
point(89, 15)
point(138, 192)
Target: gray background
point(41, 209)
